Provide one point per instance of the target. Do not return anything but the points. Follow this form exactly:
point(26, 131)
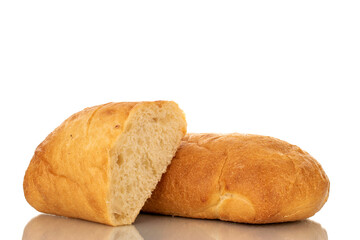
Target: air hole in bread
point(117, 216)
point(120, 160)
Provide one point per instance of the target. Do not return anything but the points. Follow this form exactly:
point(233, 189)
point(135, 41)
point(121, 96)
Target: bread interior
point(141, 155)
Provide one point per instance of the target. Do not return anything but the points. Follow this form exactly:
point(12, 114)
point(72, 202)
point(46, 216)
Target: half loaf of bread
point(102, 163)
point(240, 178)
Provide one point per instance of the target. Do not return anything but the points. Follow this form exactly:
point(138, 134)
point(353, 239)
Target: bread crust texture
point(69, 174)
point(241, 178)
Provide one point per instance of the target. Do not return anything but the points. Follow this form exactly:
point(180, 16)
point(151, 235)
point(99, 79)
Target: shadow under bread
point(155, 227)
point(46, 227)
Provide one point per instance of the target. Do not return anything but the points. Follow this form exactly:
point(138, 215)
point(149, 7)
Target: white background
point(288, 69)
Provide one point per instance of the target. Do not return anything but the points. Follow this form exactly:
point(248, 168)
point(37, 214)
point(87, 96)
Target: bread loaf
point(240, 178)
point(102, 163)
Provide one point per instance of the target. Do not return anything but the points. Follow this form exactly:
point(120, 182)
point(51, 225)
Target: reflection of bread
point(46, 227)
point(240, 178)
point(102, 163)
point(163, 227)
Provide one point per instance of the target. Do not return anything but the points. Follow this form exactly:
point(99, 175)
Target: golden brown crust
point(240, 178)
point(69, 172)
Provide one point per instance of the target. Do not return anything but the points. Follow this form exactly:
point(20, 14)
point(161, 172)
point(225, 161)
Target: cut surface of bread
point(102, 163)
point(241, 178)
